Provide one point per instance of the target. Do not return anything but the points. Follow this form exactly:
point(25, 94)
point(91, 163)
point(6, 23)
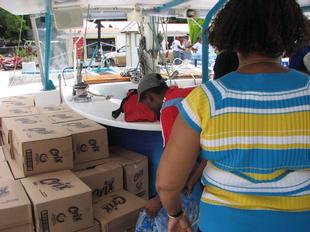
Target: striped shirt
point(255, 132)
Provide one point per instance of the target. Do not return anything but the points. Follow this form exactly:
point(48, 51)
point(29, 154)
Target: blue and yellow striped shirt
point(255, 132)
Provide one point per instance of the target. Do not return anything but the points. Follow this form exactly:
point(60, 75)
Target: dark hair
point(225, 62)
point(156, 90)
point(268, 27)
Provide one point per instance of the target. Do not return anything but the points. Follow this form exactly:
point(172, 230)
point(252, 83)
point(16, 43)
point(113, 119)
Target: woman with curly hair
point(252, 125)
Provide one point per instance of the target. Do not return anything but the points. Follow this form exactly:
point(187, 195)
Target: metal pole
point(38, 47)
point(205, 41)
point(99, 34)
point(99, 54)
point(169, 5)
point(48, 84)
point(60, 89)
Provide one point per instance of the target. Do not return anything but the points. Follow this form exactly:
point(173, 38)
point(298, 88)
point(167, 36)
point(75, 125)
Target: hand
point(181, 224)
point(153, 206)
point(189, 186)
point(195, 176)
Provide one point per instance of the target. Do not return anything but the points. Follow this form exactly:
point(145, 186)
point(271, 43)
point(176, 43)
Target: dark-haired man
point(163, 100)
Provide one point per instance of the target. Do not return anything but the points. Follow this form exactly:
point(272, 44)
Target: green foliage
point(10, 25)
point(28, 54)
point(194, 29)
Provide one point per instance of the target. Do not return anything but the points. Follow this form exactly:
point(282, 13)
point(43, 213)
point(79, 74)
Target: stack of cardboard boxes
point(41, 146)
point(15, 208)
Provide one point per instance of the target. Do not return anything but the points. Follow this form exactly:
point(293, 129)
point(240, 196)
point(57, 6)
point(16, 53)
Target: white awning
point(26, 7)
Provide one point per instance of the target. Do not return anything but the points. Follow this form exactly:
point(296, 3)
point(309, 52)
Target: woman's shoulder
point(265, 82)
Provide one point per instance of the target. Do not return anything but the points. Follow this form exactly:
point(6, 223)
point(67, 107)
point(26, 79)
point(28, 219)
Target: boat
point(141, 137)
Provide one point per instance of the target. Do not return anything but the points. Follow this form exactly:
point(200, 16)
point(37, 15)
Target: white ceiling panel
point(24, 7)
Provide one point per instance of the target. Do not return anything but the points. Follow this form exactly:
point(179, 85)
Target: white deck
point(100, 109)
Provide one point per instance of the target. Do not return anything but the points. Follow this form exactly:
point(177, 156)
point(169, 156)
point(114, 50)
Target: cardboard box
point(22, 228)
point(135, 166)
point(118, 211)
point(102, 179)
point(8, 112)
point(90, 140)
point(61, 202)
point(95, 228)
point(39, 148)
point(17, 172)
point(12, 123)
point(54, 109)
point(5, 172)
point(18, 101)
point(62, 117)
point(89, 164)
point(15, 208)
point(2, 157)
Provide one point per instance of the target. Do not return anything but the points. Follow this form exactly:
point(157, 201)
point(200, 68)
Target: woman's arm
point(176, 164)
point(195, 177)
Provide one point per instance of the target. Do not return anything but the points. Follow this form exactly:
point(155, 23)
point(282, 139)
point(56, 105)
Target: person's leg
point(177, 56)
point(182, 55)
point(188, 55)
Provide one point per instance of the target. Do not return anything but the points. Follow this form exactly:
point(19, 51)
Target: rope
point(196, 23)
point(155, 39)
point(166, 40)
point(86, 91)
point(18, 46)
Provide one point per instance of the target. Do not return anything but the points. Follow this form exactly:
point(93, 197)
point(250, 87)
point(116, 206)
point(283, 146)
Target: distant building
point(115, 35)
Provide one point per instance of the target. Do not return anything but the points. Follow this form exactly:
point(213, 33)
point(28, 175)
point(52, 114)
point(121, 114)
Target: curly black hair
point(225, 62)
point(267, 27)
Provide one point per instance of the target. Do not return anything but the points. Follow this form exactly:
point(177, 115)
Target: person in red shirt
point(163, 100)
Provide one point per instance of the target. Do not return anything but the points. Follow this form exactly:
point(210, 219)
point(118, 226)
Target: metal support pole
point(99, 33)
point(38, 47)
point(150, 61)
point(99, 55)
point(48, 84)
point(205, 41)
point(169, 4)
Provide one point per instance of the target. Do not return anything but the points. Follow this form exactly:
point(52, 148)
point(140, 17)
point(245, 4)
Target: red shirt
point(169, 109)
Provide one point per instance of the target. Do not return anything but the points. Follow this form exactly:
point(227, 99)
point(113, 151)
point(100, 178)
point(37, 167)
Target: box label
point(107, 187)
point(62, 116)
point(4, 191)
point(44, 221)
point(114, 203)
point(138, 179)
point(92, 144)
point(55, 184)
point(79, 125)
point(40, 131)
point(15, 103)
point(54, 154)
point(52, 108)
point(28, 160)
point(26, 121)
point(73, 212)
point(18, 111)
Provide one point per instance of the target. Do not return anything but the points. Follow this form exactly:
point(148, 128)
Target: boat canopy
point(30, 7)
